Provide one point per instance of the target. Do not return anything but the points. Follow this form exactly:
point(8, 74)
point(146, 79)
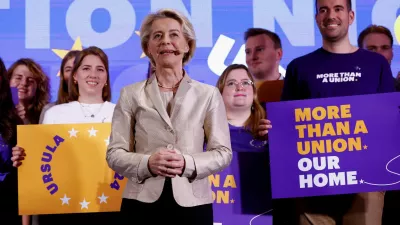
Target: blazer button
point(169, 129)
point(170, 147)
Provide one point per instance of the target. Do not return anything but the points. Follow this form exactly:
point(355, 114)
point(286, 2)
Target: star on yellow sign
point(143, 55)
point(62, 53)
point(62, 188)
point(397, 29)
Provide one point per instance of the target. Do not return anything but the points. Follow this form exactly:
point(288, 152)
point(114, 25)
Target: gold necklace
point(177, 85)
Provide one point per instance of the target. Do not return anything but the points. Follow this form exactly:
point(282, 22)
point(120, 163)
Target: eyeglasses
point(243, 84)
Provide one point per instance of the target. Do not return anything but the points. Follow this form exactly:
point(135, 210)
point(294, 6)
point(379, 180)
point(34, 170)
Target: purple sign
point(240, 196)
point(335, 145)
point(14, 94)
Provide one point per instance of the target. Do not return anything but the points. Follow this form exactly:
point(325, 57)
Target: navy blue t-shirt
point(250, 161)
point(322, 74)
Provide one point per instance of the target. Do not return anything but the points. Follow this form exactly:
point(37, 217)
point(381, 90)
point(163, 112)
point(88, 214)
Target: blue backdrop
point(33, 28)
point(41, 29)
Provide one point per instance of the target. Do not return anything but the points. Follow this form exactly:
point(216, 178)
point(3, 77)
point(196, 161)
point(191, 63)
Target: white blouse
point(76, 112)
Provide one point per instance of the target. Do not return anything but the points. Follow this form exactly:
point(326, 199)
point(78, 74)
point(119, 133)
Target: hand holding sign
point(334, 145)
point(14, 94)
point(264, 126)
point(18, 155)
point(48, 184)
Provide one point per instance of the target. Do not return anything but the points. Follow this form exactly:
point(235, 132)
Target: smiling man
point(334, 70)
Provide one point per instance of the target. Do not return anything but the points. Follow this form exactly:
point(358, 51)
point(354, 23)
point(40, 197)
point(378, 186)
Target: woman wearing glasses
point(250, 162)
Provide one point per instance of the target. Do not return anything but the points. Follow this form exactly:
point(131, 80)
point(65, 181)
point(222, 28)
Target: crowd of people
point(170, 132)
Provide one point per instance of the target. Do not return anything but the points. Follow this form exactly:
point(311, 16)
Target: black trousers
point(391, 208)
point(103, 218)
point(9, 200)
point(165, 211)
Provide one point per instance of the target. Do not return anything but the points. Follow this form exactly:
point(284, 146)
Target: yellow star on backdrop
point(397, 29)
point(143, 55)
point(62, 53)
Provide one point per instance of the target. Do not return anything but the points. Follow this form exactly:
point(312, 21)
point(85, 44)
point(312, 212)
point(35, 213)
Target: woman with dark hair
point(33, 88)
point(89, 91)
point(8, 138)
point(66, 67)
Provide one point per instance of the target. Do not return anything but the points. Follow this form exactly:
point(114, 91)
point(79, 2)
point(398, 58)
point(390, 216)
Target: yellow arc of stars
point(62, 52)
point(138, 34)
point(397, 29)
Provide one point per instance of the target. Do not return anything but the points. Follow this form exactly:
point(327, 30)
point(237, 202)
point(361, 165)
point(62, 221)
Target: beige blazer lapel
point(180, 95)
point(154, 92)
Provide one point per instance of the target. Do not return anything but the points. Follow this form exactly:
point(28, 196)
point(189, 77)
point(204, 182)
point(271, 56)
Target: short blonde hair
point(187, 29)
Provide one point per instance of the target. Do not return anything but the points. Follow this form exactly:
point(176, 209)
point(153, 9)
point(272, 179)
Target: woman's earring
point(75, 81)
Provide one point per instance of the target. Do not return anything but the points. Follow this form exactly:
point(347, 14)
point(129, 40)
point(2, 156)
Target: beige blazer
point(141, 125)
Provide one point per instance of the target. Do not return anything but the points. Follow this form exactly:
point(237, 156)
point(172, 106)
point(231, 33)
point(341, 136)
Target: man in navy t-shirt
point(336, 69)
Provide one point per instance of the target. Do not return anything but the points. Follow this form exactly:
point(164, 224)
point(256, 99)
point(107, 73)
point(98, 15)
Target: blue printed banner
point(335, 145)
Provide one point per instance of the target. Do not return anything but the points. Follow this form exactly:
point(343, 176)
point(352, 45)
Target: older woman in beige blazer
point(160, 126)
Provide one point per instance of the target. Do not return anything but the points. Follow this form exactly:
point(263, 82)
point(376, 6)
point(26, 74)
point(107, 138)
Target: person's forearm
point(26, 220)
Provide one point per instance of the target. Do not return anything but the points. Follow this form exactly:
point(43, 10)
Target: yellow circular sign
point(397, 29)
